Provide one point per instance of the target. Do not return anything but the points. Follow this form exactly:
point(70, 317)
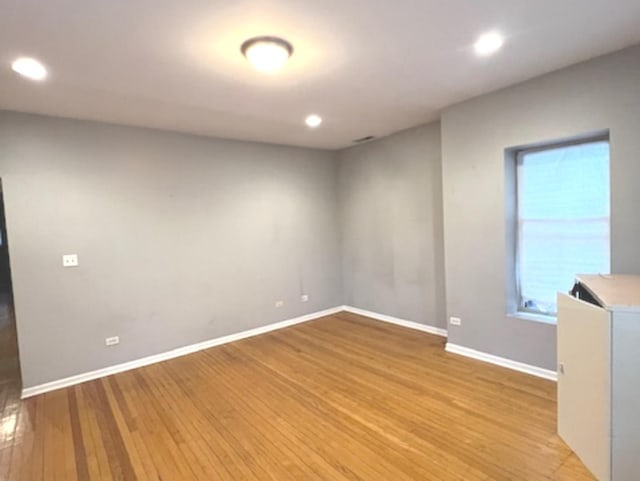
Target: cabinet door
point(584, 396)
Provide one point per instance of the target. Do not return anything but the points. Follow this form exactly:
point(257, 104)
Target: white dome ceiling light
point(30, 68)
point(267, 54)
point(489, 43)
point(313, 121)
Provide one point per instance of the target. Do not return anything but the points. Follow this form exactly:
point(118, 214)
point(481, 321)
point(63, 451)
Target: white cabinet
point(599, 375)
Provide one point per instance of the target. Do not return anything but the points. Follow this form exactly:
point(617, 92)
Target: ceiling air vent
point(364, 139)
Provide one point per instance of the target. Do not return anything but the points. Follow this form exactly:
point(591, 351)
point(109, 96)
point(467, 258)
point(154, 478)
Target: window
point(563, 220)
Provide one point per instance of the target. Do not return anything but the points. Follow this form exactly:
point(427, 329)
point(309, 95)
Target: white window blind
point(563, 220)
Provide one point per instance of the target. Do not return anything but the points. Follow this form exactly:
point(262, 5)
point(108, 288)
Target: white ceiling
point(368, 67)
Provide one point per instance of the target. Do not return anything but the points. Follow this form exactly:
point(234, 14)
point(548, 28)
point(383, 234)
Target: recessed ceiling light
point(267, 54)
point(313, 121)
point(489, 43)
point(30, 68)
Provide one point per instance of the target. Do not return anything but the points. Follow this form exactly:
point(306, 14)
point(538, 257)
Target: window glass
point(563, 220)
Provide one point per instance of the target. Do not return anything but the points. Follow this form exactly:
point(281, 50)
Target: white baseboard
point(501, 361)
point(181, 351)
point(399, 322)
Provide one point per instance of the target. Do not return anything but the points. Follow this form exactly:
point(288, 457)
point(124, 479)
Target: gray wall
point(391, 218)
point(180, 239)
point(183, 239)
point(600, 94)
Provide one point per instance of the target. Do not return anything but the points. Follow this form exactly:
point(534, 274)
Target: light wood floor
point(341, 398)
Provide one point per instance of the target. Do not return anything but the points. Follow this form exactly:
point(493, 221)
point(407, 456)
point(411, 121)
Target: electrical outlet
point(111, 341)
point(279, 303)
point(455, 321)
point(70, 260)
point(304, 298)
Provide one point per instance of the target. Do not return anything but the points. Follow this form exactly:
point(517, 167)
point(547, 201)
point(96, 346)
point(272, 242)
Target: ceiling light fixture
point(488, 43)
point(313, 121)
point(30, 68)
point(267, 54)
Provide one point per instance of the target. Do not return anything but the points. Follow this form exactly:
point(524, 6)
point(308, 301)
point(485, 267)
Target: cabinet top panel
point(615, 291)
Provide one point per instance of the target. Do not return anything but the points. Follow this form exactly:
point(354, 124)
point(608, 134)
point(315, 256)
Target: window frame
point(519, 155)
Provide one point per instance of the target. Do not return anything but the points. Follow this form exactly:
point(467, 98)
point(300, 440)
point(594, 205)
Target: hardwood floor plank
point(37, 461)
point(126, 392)
point(80, 455)
point(343, 398)
point(97, 457)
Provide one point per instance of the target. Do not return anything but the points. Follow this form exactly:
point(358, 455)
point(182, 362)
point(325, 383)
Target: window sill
point(528, 316)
